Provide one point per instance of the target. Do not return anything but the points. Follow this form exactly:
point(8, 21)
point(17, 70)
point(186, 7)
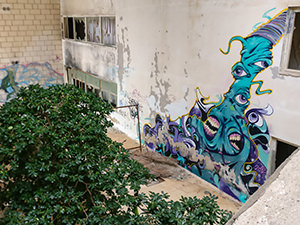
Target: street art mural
point(17, 75)
point(226, 143)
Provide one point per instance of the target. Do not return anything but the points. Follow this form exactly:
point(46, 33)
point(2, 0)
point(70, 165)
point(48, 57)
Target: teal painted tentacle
point(258, 89)
point(235, 38)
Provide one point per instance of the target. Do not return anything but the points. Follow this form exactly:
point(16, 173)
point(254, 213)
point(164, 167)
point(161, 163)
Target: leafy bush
point(157, 209)
point(59, 167)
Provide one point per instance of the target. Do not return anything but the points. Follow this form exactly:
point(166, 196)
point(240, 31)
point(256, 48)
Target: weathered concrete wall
point(30, 45)
point(91, 7)
point(277, 201)
point(167, 59)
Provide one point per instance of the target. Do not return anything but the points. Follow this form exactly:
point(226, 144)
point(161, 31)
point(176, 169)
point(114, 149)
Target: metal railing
point(139, 125)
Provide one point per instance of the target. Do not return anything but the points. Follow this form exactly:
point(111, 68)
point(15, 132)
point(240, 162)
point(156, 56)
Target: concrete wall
point(167, 59)
point(30, 45)
point(277, 201)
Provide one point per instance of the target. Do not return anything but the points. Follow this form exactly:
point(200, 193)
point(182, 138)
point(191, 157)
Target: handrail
point(139, 126)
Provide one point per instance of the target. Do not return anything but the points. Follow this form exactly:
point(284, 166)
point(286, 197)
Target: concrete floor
point(174, 180)
point(277, 202)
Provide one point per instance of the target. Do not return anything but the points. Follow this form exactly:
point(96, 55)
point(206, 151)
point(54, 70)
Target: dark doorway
point(283, 151)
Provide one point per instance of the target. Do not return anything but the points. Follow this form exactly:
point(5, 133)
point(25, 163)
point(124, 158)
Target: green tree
point(59, 167)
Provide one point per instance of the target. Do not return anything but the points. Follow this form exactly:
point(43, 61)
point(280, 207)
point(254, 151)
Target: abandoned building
point(216, 82)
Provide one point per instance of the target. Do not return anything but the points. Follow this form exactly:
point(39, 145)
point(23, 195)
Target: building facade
point(217, 81)
point(30, 41)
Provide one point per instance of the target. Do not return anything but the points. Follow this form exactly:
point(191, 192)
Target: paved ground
point(277, 202)
point(173, 179)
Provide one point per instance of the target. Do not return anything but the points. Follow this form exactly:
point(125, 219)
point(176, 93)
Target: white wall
point(167, 48)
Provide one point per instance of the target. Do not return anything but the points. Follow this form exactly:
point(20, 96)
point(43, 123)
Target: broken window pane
point(108, 30)
point(294, 61)
point(93, 29)
point(80, 28)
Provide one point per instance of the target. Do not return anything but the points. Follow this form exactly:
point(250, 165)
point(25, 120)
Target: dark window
point(90, 89)
point(80, 28)
point(97, 91)
point(283, 151)
point(70, 30)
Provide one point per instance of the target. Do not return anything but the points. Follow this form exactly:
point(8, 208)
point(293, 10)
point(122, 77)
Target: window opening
point(80, 28)
point(97, 91)
point(114, 100)
point(294, 59)
point(104, 95)
point(93, 29)
point(107, 90)
point(100, 30)
point(108, 30)
point(69, 29)
point(283, 151)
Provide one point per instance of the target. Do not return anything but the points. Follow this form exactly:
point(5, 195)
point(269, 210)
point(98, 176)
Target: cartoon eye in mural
point(254, 118)
point(226, 135)
point(262, 64)
point(241, 99)
point(239, 71)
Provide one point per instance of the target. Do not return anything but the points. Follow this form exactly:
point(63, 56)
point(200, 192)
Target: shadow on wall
point(15, 76)
point(226, 143)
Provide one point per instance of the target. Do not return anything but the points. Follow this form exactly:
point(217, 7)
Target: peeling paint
point(275, 72)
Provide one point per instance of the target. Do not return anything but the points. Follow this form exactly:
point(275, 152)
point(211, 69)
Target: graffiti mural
point(17, 75)
point(226, 143)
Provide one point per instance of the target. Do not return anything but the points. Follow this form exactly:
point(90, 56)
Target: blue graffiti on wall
point(224, 143)
point(17, 75)
point(264, 16)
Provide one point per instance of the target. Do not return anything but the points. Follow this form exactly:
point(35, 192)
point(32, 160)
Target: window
point(283, 151)
point(80, 28)
point(100, 30)
point(93, 29)
point(106, 90)
point(279, 152)
point(108, 30)
point(290, 59)
point(68, 28)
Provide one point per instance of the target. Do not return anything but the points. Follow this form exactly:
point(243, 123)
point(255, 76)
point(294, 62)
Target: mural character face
point(223, 142)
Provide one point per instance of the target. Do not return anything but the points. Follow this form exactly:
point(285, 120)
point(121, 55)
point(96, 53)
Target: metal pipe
point(138, 116)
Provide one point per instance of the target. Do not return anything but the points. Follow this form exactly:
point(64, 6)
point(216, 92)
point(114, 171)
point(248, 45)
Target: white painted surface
point(167, 48)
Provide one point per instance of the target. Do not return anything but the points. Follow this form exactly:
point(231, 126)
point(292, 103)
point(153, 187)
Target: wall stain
point(275, 72)
point(123, 48)
point(160, 90)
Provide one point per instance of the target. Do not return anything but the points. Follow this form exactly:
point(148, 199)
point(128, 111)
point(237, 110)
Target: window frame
point(65, 29)
point(83, 83)
point(287, 43)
